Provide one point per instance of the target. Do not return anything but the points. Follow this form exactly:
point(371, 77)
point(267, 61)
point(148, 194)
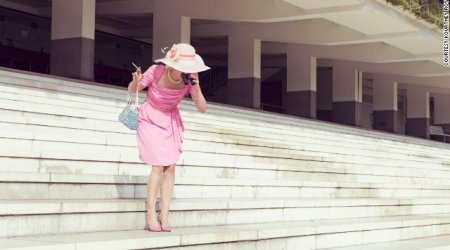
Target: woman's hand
point(195, 82)
point(137, 75)
point(198, 97)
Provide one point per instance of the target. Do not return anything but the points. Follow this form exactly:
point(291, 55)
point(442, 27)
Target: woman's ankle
point(163, 217)
point(163, 213)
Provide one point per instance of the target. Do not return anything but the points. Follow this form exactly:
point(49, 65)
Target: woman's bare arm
point(198, 98)
point(137, 77)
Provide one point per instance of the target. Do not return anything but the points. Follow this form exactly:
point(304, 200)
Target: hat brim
point(193, 66)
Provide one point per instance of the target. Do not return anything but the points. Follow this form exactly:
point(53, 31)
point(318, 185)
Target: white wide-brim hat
point(182, 57)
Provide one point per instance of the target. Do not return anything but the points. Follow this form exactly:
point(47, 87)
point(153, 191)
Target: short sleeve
point(149, 76)
point(191, 89)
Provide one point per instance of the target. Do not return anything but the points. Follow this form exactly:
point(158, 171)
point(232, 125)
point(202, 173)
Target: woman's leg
point(153, 185)
point(166, 192)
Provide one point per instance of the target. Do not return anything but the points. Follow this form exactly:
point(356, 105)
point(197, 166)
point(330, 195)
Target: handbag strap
point(136, 99)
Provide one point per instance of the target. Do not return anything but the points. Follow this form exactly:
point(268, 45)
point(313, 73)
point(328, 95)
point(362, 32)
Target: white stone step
point(430, 243)
point(40, 140)
point(65, 206)
point(33, 95)
point(115, 124)
point(392, 162)
point(25, 81)
point(130, 179)
point(288, 150)
point(190, 144)
point(428, 165)
point(43, 100)
point(90, 89)
point(308, 171)
point(96, 140)
point(42, 217)
point(58, 186)
point(42, 133)
point(115, 114)
point(284, 235)
point(50, 158)
point(50, 83)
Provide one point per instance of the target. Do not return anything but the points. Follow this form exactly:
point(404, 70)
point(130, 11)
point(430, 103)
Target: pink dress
point(160, 128)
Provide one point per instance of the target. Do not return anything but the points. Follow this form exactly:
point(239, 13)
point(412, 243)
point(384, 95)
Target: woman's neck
point(173, 79)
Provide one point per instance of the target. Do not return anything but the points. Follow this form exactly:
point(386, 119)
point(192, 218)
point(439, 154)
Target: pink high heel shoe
point(164, 228)
point(154, 228)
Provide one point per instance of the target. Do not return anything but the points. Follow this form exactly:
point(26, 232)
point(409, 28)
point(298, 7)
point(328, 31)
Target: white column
point(385, 104)
point(301, 82)
point(244, 70)
point(442, 111)
point(347, 94)
point(73, 33)
point(418, 112)
point(168, 29)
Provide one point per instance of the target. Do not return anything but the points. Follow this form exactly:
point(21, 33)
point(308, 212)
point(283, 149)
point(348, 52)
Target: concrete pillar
point(385, 102)
point(418, 112)
point(301, 83)
point(244, 70)
point(442, 111)
point(168, 29)
point(73, 33)
point(347, 95)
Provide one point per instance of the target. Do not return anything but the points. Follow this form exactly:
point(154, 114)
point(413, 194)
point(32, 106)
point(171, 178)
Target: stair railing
point(213, 79)
point(273, 108)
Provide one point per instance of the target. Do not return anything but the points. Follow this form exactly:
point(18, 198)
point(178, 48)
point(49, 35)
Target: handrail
point(281, 108)
point(213, 79)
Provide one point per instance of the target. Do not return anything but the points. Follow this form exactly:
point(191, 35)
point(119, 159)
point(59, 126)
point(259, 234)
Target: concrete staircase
point(70, 178)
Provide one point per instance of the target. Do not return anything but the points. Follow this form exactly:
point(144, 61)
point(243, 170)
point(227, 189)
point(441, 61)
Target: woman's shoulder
point(153, 73)
point(156, 68)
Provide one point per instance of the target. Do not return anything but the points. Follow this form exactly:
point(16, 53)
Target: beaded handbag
point(129, 115)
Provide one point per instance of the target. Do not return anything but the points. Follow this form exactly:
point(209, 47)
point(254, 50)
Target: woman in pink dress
point(160, 128)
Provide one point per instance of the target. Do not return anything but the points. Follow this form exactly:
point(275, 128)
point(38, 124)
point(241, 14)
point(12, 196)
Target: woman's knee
point(169, 169)
point(158, 170)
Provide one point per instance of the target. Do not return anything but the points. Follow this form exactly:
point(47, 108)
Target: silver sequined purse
point(129, 115)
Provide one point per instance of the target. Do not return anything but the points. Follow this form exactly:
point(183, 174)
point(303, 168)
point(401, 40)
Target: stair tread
point(430, 243)
point(295, 149)
point(324, 126)
point(50, 206)
point(263, 157)
point(216, 234)
point(207, 181)
point(117, 125)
